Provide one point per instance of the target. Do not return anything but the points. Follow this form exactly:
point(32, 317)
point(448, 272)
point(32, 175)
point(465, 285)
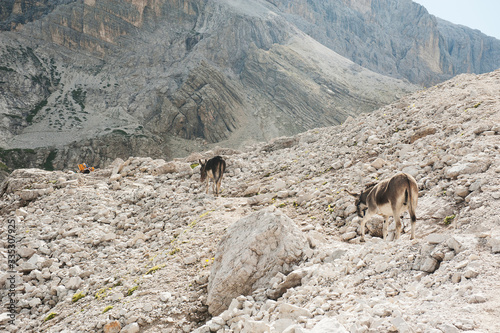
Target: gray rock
point(74, 283)
point(401, 325)
point(447, 328)
point(251, 252)
point(429, 265)
point(477, 298)
point(495, 245)
point(461, 169)
point(26, 252)
point(293, 279)
point(329, 325)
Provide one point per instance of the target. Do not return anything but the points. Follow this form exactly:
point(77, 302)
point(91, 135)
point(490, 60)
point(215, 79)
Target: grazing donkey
point(390, 197)
point(213, 169)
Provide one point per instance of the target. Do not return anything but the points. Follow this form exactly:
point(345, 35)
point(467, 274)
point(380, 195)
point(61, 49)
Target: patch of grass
point(131, 290)
point(77, 296)
point(155, 268)
point(106, 309)
point(194, 165)
point(174, 251)
point(50, 316)
point(448, 219)
point(101, 293)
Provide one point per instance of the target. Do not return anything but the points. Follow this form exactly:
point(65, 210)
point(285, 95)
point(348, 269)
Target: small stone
point(470, 273)
point(436, 238)
point(477, 298)
point(219, 321)
point(75, 271)
point(165, 297)
point(461, 191)
point(349, 235)
point(213, 326)
point(378, 163)
point(447, 328)
point(26, 252)
point(381, 310)
point(452, 243)
point(293, 312)
point(329, 324)
point(337, 165)
point(456, 277)
point(495, 245)
point(429, 265)
point(373, 140)
point(74, 283)
point(112, 327)
point(34, 302)
point(131, 328)
point(4, 318)
point(401, 325)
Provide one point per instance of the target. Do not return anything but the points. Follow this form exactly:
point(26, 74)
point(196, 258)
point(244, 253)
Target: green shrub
point(449, 219)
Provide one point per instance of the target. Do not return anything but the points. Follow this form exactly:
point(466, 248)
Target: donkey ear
point(352, 194)
point(201, 163)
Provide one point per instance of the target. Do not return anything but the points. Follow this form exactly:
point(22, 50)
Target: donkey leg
point(397, 219)
point(363, 222)
point(208, 184)
point(384, 227)
point(219, 181)
point(412, 236)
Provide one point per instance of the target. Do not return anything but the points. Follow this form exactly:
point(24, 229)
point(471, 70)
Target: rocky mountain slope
point(137, 246)
point(89, 81)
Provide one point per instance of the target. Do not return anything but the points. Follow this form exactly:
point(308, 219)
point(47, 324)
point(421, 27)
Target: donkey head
point(361, 205)
point(203, 170)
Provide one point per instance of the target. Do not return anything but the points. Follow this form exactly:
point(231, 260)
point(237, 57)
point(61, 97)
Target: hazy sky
point(476, 14)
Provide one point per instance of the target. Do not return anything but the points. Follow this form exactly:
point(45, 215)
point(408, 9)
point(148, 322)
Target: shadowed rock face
point(175, 75)
point(16, 13)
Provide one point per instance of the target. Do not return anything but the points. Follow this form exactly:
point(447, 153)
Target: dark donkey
point(213, 169)
point(390, 197)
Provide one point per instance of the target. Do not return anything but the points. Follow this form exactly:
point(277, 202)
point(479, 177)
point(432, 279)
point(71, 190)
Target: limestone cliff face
point(395, 37)
point(106, 79)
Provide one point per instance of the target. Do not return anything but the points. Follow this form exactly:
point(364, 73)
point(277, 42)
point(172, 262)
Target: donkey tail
point(411, 196)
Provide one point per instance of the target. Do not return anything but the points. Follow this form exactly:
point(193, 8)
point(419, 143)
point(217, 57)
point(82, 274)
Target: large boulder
point(250, 254)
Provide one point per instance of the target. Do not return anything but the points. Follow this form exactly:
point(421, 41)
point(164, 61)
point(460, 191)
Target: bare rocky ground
point(130, 248)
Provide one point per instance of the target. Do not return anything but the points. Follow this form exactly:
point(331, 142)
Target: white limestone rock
point(251, 252)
